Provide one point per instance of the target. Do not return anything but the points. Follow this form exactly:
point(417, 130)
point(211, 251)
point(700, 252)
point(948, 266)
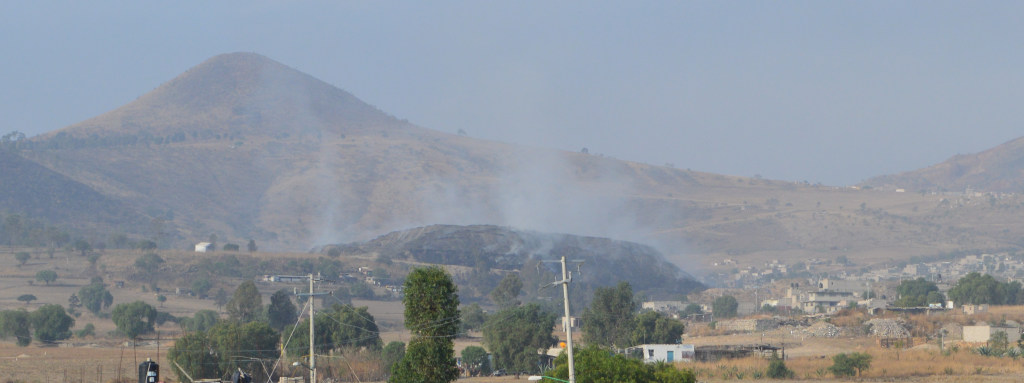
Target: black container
point(149, 372)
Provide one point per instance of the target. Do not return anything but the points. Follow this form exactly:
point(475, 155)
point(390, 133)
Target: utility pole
point(566, 279)
point(312, 314)
point(312, 327)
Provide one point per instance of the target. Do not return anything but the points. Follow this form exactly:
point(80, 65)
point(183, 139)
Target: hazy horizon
point(822, 92)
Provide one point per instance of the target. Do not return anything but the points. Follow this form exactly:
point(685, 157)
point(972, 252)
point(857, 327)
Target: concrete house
point(981, 334)
point(204, 247)
point(666, 352)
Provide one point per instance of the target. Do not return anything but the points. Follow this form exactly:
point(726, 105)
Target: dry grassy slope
point(1000, 169)
point(316, 165)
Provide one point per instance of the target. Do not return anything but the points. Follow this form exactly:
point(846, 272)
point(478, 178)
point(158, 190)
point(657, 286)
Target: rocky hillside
point(604, 261)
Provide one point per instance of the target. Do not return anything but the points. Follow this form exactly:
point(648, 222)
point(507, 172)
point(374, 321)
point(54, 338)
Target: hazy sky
point(823, 91)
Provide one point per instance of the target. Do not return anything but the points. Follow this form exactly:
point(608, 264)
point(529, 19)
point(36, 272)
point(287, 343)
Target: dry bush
point(352, 366)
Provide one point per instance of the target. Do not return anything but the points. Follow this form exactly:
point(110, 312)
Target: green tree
point(777, 368)
point(998, 342)
point(95, 297)
point(88, 330)
point(27, 298)
point(507, 293)
point(594, 364)
point(161, 298)
point(655, 327)
point(724, 307)
point(246, 304)
point(230, 247)
point(432, 315)
point(917, 292)
point(202, 320)
point(16, 323)
point(692, 308)
point(850, 364)
point(244, 346)
point(515, 334)
point(51, 323)
point(134, 319)
point(609, 319)
point(201, 286)
point(976, 288)
point(354, 327)
point(473, 317)
point(192, 352)
point(252, 246)
point(221, 298)
point(281, 311)
point(393, 352)
point(82, 246)
point(46, 276)
point(475, 361)
point(149, 261)
point(22, 257)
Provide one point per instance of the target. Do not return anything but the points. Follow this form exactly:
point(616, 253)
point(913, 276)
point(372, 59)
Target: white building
point(666, 352)
point(203, 247)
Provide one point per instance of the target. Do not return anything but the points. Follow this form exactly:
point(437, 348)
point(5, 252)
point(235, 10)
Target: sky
point(832, 92)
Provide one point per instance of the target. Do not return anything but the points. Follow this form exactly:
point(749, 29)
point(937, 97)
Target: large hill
point(244, 147)
point(999, 169)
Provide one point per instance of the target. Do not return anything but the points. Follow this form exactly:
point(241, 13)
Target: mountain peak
point(238, 94)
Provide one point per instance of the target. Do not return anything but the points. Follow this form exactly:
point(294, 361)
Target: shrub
point(777, 368)
point(850, 364)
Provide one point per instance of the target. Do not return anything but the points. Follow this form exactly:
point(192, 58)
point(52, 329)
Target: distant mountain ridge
point(244, 147)
point(999, 169)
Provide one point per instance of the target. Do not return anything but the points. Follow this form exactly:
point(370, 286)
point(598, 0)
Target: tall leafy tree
point(51, 323)
point(724, 306)
point(473, 318)
point(475, 360)
point(149, 261)
point(246, 304)
point(226, 347)
point(192, 351)
point(17, 324)
point(134, 319)
point(513, 335)
point(654, 327)
point(432, 315)
point(22, 257)
point(917, 292)
point(507, 293)
point(46, 276)
point(393, 352)
point(95, 297)
point(202, 320)
point(976, 288)
point(281, 311)
point(354, 327)
point(244, 345)
point(609, 319)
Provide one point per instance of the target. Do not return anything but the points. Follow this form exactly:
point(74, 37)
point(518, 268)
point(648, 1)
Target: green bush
point(851, 364)
point(777, 368)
